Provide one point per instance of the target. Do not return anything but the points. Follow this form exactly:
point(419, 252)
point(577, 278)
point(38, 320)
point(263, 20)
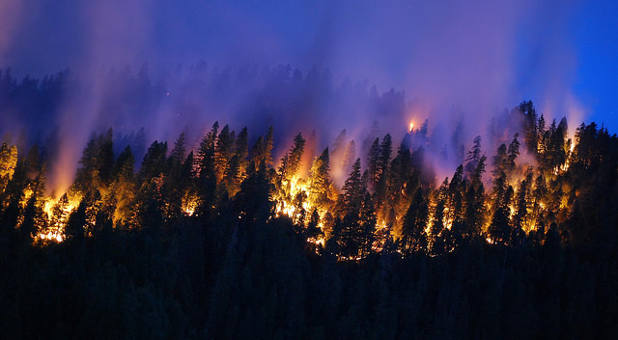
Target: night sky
point(482, 55)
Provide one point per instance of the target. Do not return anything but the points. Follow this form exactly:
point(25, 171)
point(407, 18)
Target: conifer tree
point(530, 125)
point(367, 224)
point(455, 201)
point(106, 157)
point(319, 181)
point(233, 176)
point(500, 162)
point(513, 152)
point(437, 226)
point(224, 148)
point(473, 156)
point(266, 155)
point(352, 190)
point(400, 181)
point(8, 162)
point(31, 216)
point(313, 231)
point(413, 237)
point(242, 152)
point(295, 155)
point(177, 155)
point(349, 156)
point(123, 186)
point(474, 210)
point(154, 163)
point(500, 227)
point(253, 203)
point(382, 169)
point(372, 163)
point(207, 180)
point(77, 221)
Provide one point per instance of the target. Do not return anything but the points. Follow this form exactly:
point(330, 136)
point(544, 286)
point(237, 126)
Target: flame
point(320, 241)
point(284, 202)
point(411, 126)
point(54, 231)
point(189, 204)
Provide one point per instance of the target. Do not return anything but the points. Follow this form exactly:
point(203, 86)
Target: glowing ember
point(189, 204)
point(317, 241)
point(284, 202)
point(57, 213)
point(51, 235)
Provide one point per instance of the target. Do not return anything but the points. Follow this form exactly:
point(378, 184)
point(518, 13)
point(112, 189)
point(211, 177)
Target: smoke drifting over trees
point(222, 223)
point(256, 169)
point(456, 62)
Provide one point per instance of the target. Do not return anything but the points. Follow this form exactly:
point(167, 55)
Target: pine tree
point(500, 162)
point(413, 237)
point(77, 221)
point(87, 173)
point(382, 169)
point(455, 201)
point(339, 146)
point(319, 181)
point(8, 162)
point(513, 152)
point(233, 176)
point(337, 237)
point(124, 164)
point(123, 186)
point(206, 152)
point(400, 182)
point(349, 156)
point(530, 125)
point(154, 163)
point(29, 224)
point(106, 157)
point(350, 200)
point(253, 204)
point(474, 210)
point(268, 148)
point(242, 152)
point(500, 227)
point(522, 202)
point(207, 180)
point(295, 155)
point(224, 147)
point(437, 225)
point(372, 162)
point(58, 210)
point(313, 231)
point(367, 224)
point(358, 223)
point(473, 156)
point(177, 155)
point(351, 237)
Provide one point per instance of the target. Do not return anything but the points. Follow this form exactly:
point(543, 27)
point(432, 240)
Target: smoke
point(457, 64)
point(10, 12)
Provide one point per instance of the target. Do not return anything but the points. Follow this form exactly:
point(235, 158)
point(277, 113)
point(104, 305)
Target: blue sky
point(480, 55)
point(596, 38)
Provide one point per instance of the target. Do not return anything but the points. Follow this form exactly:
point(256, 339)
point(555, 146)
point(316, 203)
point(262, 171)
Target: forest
point(227, 238)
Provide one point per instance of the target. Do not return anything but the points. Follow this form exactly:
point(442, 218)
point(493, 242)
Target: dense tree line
point(222, 240)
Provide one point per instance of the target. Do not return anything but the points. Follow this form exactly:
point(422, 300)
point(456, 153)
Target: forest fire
point(56, 215)
point(384, 206)
point(189, 204)
point(308, 169)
